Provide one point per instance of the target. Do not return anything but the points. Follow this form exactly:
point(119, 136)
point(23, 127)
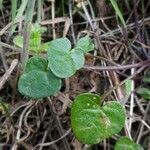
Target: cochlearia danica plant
point(91, 120)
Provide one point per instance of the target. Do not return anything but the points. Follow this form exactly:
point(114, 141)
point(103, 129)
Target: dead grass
point(120, 54)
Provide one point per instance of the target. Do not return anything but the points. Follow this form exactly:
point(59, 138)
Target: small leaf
point(124, 143)
point(60, 61)
point(146, 78)
point(61, 64)
point(144, 92)
point(85, 44)
point(38, 84)
point(61, 45)
point(4, 107)
point(36, 63)
point(78, 58)
point(18, 40)
point(35, 39)
point(92, 123)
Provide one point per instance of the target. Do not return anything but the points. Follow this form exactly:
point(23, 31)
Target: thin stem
point(27, 32)
point(121, 67)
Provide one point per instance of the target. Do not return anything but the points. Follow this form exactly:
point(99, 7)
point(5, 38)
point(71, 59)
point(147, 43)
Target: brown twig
point(7, 74)
point(121, 67)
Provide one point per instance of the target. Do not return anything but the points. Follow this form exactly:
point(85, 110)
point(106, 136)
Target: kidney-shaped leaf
point(85, 44)
point(36, 63)
point(124, 143)
point(38, 84)
point(92, 123)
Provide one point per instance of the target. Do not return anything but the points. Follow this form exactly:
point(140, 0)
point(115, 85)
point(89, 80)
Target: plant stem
point(27, 31)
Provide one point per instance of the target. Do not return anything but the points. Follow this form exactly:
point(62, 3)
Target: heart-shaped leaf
point(124, 143)
point(92, 123)
point(85, 44)
point(38, 84)
point(36, 63)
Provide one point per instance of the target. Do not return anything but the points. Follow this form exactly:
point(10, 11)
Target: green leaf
point(35, 39)
point(4, 107)
point(60, 61)
point(144, 92)
point(60, 45)
point(18, 40)
point(124, 143)
point(92, 123)
point(146, 78)
point(38, 84)
point(85, 44)
point(78, 58)
point(118, 12)
point(44, 47)
point(36, 63)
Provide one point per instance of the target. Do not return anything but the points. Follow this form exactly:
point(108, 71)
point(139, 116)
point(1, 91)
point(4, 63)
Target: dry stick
point(131, 100)
point(2, 55)
point(5, 77)
point(10, 47)
point(58, 20)
point(9, 25)
point(142, 126)
point(27, 32)
point(87, 15)
point(121, 67)
point(71, 20)
point(121, 83)
point(55, 141)
point(115, 87)
point(14, 147)
point(53, 17)
point(67, 147)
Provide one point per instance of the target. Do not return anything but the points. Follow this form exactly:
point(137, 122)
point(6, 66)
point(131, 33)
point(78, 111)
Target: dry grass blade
point(5, 77)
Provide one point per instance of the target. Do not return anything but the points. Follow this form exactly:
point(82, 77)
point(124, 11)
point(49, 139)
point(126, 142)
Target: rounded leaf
point(61, 64)
point(124, 143)
point(60, 44)
point(38, 84)
point(85, 44)
point(92, 123)
point(115, 117)
point(60, 61)
point(36, 63)
point(78, 58)
point(18, 40)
